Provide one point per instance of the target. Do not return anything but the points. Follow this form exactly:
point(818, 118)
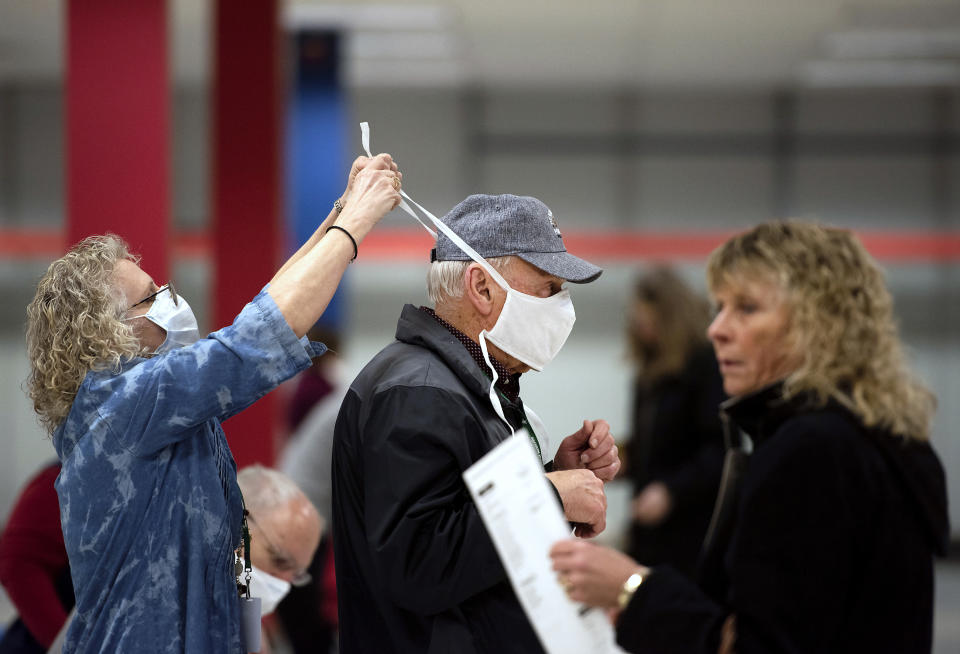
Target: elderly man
point(416, 569)
point(285, 530)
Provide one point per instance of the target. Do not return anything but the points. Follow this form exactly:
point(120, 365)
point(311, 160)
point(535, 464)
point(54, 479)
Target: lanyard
point(245, 568)
point(533, 437)
point(524, 423)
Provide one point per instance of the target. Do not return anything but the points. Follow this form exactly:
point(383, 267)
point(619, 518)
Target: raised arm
point(303, 286)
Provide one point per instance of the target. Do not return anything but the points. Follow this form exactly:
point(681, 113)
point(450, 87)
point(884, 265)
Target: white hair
point(265, 489)
point(445, 278)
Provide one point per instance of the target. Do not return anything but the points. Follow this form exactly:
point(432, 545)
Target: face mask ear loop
point(494, 400)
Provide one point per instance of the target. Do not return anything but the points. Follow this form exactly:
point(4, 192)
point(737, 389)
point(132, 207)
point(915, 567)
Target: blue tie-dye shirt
point(149, 500)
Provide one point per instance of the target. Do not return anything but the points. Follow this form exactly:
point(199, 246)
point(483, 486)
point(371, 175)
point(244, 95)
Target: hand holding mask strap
point(449, 233)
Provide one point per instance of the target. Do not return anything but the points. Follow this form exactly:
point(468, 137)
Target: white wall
point(690, 178)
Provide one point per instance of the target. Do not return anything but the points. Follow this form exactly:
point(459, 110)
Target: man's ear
point(476, 284)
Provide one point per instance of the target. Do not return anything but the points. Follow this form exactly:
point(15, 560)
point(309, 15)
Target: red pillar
point(118, 125)
point(246, 192)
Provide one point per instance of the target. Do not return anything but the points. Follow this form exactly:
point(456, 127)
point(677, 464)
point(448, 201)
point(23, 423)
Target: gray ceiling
point(556, 43)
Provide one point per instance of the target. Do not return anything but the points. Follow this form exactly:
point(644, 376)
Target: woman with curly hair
point(149, 503)
point(832, 503)
point(676, 451)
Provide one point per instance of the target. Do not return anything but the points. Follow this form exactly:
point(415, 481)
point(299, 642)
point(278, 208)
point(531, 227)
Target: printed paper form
point(523, 518)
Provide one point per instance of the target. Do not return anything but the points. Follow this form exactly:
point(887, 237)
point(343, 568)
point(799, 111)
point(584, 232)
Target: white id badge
point(250, 623)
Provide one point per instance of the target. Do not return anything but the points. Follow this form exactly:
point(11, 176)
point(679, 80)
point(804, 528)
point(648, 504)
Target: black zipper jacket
point(416, 569)
point(823, 541)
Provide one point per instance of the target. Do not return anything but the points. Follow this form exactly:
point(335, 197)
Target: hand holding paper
point(521, 514)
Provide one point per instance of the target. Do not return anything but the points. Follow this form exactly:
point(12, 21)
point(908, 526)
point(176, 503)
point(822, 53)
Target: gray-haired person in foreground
point(416, 569)
point(285, 531)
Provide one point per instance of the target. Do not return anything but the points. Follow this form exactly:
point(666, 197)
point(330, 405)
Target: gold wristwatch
point(630, 586)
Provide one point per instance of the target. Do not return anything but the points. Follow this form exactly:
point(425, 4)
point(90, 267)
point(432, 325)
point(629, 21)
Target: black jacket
point(829, 546)
point(677, 440)
point(416, 569)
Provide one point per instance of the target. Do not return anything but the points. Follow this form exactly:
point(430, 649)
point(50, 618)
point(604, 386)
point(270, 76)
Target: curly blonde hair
point(842, 322)
point(74, 325)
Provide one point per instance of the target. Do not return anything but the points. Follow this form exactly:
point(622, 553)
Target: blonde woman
point(676, 452)
point(149, 503)
point(833, 502)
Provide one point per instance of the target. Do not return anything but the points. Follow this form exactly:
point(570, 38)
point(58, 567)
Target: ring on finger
point(396, 183)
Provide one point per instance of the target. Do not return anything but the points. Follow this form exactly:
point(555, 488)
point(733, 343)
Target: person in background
point(416, 569)
point(675, 455)
point(34, 569)
point(285, 530)
point(315, 383)
point(133, 399)
point(309, 613)
point(833, 503)
point(306, 457)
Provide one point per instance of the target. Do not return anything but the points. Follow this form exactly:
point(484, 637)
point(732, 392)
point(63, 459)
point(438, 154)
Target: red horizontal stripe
point(608, 246)
point(31, 243)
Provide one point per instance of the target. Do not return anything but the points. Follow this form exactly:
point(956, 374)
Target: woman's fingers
point(382, 161)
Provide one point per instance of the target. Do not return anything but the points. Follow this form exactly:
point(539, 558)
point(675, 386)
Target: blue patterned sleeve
point(160, 400)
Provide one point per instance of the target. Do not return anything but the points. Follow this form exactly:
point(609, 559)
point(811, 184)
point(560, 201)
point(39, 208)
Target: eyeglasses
point(168, 287)
point(281, 560)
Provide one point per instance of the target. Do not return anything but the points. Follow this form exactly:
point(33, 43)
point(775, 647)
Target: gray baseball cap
point(502, 225)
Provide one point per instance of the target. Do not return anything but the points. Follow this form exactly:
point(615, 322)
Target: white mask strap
point(449, 233)
point(459, 242)
point(494, 400)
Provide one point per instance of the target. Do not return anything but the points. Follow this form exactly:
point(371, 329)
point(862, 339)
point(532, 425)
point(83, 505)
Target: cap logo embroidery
point(553, 223)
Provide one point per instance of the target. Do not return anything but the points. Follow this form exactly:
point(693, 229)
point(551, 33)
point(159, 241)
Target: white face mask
point(532, 329)
point(176, 319)
point(268, 588)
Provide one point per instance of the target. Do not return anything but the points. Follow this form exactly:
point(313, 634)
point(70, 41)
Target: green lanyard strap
point(533, 437)
point(526, 424)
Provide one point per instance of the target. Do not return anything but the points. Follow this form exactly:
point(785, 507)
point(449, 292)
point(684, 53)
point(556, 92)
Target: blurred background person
point(675, 455)
point(309, 612)
point(315, 383)
point(285, 530)
point(833, 502)
point(284, 534)
point(34, 569)
point(306, 455)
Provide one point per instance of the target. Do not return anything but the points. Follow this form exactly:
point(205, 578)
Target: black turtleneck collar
point(761, 413)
